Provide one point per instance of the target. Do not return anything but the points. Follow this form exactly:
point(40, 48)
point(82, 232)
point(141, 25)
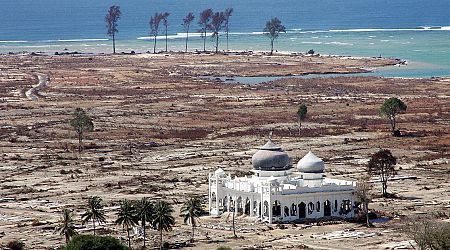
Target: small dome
point(271, 157)
point(311, 164)
point(219, 172)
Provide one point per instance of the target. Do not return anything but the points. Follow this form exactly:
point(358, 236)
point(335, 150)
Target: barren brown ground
point(199, 125)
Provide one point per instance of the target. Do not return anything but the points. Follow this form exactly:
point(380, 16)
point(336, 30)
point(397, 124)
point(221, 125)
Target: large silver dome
point(311, 164)
point(271, 157)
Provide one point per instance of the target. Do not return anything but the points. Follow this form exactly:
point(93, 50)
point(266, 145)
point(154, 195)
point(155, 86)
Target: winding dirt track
point(32, 93)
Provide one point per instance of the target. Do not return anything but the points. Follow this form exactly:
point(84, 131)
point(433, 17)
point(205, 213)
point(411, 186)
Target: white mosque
point(277, 192)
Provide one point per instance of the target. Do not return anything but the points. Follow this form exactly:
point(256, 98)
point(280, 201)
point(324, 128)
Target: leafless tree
point(187, 20)
point(155, 21)
point(382, 163)
point(429, 233)
point(216, 25)
point(363, 193)
point(228, 12)
point(205, 17)
point(111, 20)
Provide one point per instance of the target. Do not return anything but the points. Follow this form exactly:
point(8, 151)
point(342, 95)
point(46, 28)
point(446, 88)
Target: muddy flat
point(160, 129)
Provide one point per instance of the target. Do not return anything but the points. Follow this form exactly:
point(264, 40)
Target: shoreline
point(337, 63)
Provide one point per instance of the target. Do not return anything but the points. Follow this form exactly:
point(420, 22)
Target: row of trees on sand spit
point(208, 21)
point(157, 215)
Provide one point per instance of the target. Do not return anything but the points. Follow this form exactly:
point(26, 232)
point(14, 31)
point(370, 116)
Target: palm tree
point(67, 227)
point(203, 22)
point(155, 21)
point(163, 219)
point(145, 211)
point(187, 20)
point(165, 20)
point(127, 217)
point(216, 25)
point(228, 12)
point(94, 211)
point(191, 210)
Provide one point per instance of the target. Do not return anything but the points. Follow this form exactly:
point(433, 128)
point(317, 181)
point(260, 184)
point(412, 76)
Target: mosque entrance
point(276, 209)
point(247, 207)
point(302, 210)
point(327, 208)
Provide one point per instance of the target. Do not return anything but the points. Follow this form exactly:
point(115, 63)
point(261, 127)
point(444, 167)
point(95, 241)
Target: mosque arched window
point(293, 210)
point(286, 211)
point(310, 208)
point(346, 206)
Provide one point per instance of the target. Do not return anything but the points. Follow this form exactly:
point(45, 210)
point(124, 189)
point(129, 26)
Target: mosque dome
point(271, 157)
point(311, 164)
point(219, 172)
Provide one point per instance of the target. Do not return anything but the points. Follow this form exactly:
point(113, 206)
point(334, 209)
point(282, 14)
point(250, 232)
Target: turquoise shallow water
point(416, 30)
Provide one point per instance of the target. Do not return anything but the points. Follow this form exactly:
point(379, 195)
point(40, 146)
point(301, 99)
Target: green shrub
point(91, 242)
point(224, 248)
point(15, 245)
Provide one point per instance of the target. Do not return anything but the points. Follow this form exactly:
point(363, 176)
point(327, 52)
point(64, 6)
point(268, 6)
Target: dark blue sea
point(415, 30)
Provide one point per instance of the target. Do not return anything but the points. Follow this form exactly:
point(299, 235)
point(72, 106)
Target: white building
point(277, 192)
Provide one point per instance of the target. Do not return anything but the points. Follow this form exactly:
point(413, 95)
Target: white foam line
point(82, 40)
point(19, 41)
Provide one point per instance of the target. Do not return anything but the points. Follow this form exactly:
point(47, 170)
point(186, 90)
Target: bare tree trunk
point(80, 141)
point(193, 234)
point(367, 213)
point(154, 46)
point(166, 38)
point(217, 43)
point(160, 239)
point(227, 40)
point(129, 239)
point(384, 185)
point(145, 236)
point(299, 127)
point(271, 47)
point(393, 123)
point(114, 43)
point(204, 40)
point(187, 37)
point(93, 222)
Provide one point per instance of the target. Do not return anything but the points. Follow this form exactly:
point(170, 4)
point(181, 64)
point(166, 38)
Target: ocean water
point(415, 30)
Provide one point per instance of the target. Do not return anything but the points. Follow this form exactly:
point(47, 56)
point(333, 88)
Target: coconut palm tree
point(127, 217)
point(66, 226)
point(94, 212)
point(216, 25)
point(145, 211)
point(191, 210)
point(187, 20)
point(155, 21)
point(163, 219)
point(165, 20)
point(227, 13)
